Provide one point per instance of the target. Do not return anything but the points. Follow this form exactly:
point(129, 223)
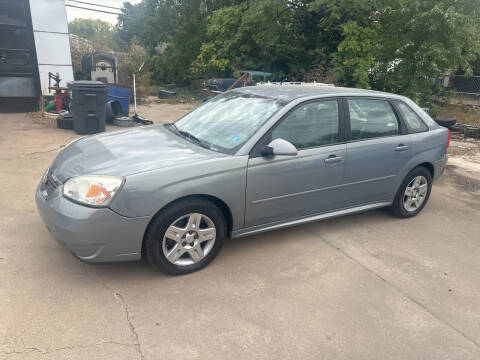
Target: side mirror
point(279, 147)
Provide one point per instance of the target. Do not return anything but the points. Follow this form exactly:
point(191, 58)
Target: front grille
point(50, 183)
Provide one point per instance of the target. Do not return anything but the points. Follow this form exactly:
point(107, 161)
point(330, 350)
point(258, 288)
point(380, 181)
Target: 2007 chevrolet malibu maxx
point(249, 160)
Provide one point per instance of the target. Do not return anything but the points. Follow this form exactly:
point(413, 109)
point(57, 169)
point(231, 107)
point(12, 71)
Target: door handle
point(333, 159)
point(401, 147)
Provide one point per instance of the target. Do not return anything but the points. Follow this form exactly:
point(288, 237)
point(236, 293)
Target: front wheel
point(413, 193)
point(185, 237)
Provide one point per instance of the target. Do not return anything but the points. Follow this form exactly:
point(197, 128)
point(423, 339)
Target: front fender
point(144, 194)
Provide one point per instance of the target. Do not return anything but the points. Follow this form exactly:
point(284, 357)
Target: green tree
point(393, 45)
point(356, 55)
point(99, 34)
point(421, 39)
point(179, 23)
point(266, 35)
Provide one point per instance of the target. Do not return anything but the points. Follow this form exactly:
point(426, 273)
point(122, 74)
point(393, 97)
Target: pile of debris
point(85, 106)
point(468, 131)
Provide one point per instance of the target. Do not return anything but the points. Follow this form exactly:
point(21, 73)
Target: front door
point(288, 187)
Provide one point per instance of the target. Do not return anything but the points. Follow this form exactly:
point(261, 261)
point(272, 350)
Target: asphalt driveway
point(367, 286)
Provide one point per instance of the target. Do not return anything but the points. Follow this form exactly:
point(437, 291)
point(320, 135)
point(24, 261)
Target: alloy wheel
point(415, 193)
point(189, 239)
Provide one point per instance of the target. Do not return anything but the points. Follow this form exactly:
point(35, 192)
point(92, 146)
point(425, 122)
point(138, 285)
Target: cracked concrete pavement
point(367, 286)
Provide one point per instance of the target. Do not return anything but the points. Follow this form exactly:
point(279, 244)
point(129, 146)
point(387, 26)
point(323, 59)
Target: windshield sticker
point(236, 138)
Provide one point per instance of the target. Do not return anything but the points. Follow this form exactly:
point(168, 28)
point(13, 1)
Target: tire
point(65, 123)
point(399, 206)
point(165, 94)
point(113, 109)
point(446, 121)
point(157, 242)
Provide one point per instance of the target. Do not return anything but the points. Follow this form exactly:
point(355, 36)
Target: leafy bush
point(391, 45)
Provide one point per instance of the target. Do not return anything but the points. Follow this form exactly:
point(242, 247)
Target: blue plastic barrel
point(122, 95)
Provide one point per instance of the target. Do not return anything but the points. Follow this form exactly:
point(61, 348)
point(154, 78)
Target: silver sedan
point(249, 160)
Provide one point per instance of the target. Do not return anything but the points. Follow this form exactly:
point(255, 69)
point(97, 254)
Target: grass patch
point(465, 114)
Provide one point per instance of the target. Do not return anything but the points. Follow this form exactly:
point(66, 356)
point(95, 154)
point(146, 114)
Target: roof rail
point(296, 83)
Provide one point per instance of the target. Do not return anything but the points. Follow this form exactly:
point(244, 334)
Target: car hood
point(127, 152)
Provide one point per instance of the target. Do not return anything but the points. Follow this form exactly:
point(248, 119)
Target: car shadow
point(287, 234)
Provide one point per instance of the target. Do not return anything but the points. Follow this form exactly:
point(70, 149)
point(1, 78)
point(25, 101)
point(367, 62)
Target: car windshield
point(227, 121)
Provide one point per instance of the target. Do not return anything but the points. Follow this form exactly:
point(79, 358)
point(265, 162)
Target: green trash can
point(88, 106)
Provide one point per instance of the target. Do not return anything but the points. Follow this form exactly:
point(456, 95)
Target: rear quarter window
point(412, 120)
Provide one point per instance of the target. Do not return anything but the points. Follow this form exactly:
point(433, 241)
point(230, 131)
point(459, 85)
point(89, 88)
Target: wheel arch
point(223, 207)
point(395, 208)
point(429, 166)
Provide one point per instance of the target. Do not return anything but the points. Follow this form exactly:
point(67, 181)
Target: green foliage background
point(393, 45)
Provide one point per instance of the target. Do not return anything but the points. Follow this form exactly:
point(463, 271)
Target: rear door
point(287, 187)
point(378, 148)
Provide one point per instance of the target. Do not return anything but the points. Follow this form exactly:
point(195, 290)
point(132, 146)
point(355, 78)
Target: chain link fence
point(466, 85)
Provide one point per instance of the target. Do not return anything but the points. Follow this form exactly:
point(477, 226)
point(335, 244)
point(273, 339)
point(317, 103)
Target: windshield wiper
point(189, 136)
point(194, 139)
point(171, 126)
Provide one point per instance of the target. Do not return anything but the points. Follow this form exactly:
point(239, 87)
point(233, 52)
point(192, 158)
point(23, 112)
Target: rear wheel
point(185, 237)
point(413, 193)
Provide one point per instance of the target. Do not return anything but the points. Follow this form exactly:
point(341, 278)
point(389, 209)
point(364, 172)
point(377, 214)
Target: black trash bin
point(88, 106)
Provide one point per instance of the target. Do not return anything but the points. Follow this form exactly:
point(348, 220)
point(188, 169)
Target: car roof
point(292, 92)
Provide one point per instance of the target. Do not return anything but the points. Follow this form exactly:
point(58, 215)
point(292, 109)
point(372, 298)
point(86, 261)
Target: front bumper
point(92, 234)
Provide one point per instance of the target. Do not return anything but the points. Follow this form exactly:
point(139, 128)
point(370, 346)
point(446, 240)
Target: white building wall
point(50, 29)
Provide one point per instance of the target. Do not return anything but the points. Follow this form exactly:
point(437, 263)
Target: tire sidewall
point(399, 206)
point(160, 224)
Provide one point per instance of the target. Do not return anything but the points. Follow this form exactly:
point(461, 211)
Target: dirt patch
point(463, 179)
point(464, 153)
point(163, 113)
point(467, 181)
point(31, 135)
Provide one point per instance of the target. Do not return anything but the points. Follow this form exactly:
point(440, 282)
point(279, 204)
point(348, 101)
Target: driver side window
point(311, 125)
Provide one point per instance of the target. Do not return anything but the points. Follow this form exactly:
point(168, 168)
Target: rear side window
point(413, 121)
point(370, 118)
point(311, 125)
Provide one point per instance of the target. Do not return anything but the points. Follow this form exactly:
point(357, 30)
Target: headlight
point(93, 190)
